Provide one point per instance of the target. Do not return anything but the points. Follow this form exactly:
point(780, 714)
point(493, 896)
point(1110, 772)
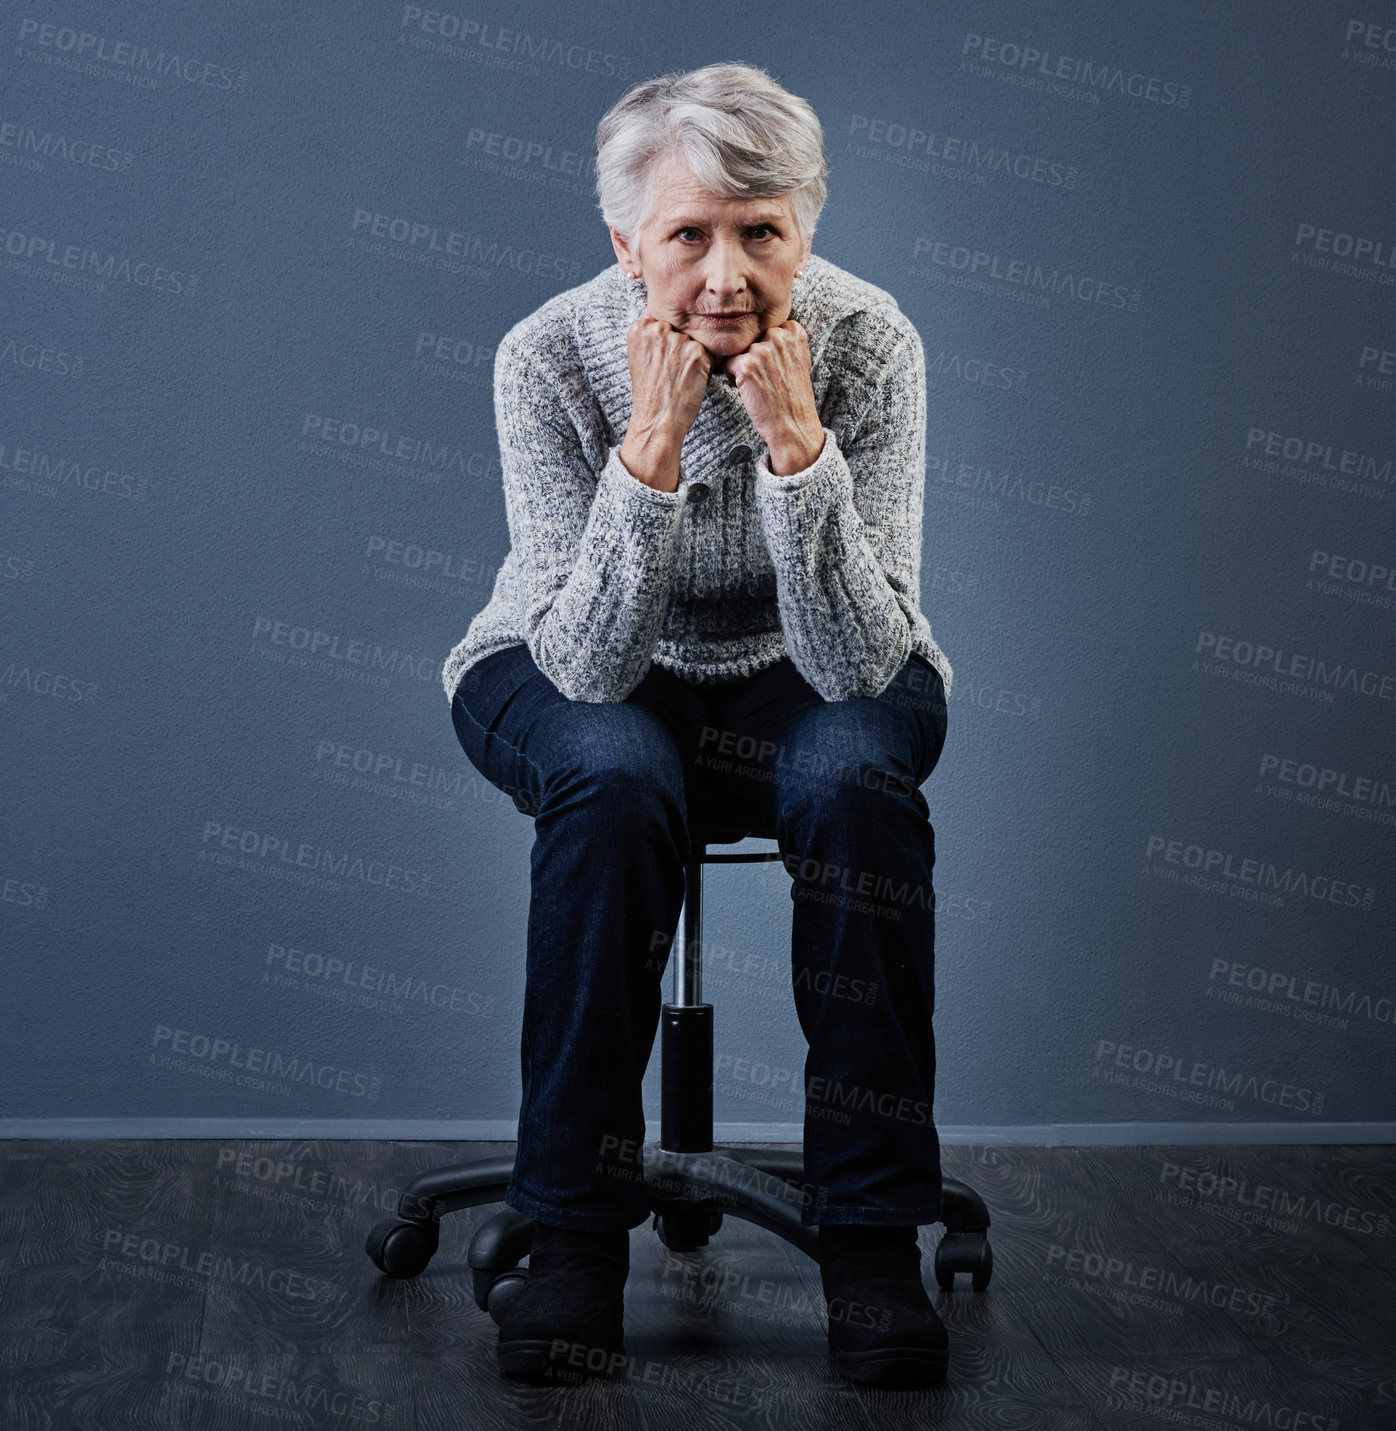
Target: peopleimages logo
point(1317, 455)
point(228, 844)
point(215, 1051)
point(1366, 583)
point(924, 148)
point(1029, 61)
point(1376, 367)
point(27, 147)
point(1207, 1184)
point(28, 467)
point(1327, 250)
point(1365, 797)
point(1165, 1281)
point(1255, 878)
point(1371, 35)
point(41, 255)
point(1174, 1399)
point(324, 435)
point(314, 645)
point(985, 487)
point(1156, 1071)
point(16, 568)
point(1036, 280)
point(1261, 664)
point(1375, 253)
point(503, 40)
point(1298, 993)
point(388, 774)
point(528, 153)
point(1326, 781)
point(129, 55)
point(429, 243)
point(980, 372)
point(39, 357)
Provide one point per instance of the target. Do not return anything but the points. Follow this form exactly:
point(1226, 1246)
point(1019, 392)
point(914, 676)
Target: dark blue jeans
point(611, 785)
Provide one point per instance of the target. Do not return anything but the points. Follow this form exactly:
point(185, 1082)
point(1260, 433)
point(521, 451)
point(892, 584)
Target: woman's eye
point(758, 229)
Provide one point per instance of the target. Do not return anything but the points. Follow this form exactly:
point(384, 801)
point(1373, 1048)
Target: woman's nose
point(726, 269)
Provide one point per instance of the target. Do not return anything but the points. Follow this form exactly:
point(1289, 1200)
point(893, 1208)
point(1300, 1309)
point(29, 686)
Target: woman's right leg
point(605, 783)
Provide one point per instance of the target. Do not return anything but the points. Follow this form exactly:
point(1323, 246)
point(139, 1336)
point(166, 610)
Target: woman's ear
point(623, 254)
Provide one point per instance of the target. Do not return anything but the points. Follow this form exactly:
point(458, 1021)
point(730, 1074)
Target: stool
point(690, 1183)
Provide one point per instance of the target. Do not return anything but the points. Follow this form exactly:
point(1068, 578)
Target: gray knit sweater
point(739, 567)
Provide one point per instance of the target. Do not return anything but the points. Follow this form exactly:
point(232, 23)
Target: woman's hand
point(773, 381)
point(668, 381)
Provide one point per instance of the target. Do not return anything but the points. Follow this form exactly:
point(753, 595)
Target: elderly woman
point(713, 460)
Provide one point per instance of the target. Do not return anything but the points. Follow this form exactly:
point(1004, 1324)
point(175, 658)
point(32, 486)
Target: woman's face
point(703, 255)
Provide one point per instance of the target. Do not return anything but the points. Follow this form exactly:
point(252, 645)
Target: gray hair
point(742, 134)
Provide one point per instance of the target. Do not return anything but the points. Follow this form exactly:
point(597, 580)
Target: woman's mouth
point(725, 320)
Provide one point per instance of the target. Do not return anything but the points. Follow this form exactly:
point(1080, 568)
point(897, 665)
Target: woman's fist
point(668, 376)
point(773, 381)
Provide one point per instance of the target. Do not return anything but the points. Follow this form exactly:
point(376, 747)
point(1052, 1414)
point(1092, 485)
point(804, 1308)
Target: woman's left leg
point(842, 779)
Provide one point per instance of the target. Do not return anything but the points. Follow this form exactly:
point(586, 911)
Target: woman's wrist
point(796, 453)
point(651, 455)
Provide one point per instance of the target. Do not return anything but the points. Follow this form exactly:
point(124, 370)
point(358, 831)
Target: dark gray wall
point(251, 498)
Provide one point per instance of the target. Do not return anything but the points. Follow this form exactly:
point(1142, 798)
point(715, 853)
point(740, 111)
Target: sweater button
point(697, 491)
point(740, 453)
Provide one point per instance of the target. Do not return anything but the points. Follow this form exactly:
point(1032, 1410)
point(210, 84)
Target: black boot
point(568, 1322)
point(882, 1327)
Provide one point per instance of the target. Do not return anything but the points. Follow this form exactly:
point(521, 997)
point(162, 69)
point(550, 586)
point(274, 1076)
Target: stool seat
point(713, 823)
point(700, 836)
point(706, 826)
point(721, 834)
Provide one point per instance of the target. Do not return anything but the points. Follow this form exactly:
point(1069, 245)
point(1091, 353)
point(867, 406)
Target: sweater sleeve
point(595, 550)
point(844, 537)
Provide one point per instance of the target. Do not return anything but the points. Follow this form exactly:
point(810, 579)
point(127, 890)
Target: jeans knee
point(855, 793)
point(642, 788)
point(633, 789)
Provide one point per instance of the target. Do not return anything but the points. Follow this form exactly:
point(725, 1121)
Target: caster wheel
point(402, 1249)
point(685, 1229)
point(964, 1252)
point(495, 1292)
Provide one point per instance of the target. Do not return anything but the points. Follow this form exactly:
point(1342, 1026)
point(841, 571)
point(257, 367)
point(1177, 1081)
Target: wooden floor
point(205, 1284)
